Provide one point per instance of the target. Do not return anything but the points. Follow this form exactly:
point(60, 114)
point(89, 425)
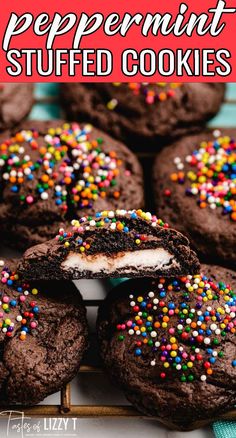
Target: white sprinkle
point(44, 196)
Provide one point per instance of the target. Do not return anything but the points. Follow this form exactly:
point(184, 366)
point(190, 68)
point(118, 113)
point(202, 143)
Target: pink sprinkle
point(171, 331)
point(168, 347)
point(129, 323)
point(29, 199)
point(4, 280)
point(150, 99)
point(5, 299)
point(33, 324)
point(22, 298)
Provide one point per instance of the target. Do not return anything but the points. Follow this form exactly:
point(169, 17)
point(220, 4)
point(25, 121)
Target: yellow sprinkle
point(173, 353)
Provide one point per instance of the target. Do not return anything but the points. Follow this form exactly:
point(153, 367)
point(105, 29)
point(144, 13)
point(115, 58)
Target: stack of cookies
point(74, 197)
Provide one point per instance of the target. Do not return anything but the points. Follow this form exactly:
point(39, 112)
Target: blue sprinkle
point(138, 352)
point(171, 306)
point(25, 329)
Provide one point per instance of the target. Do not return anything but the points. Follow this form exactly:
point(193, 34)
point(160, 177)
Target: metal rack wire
point(68, 409)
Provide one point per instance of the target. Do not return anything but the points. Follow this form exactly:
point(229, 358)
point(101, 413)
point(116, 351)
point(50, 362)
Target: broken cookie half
point(117, 243)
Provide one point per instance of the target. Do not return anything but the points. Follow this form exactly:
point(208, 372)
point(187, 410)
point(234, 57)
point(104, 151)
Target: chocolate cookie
point(146, 115)
point(43, 335)
point(16, 101)
point(52, 172)
point(170, 344)
point(112, 244)
point(195, 190)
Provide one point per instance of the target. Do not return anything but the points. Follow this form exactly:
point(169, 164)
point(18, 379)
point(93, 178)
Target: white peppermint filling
point(126, 261)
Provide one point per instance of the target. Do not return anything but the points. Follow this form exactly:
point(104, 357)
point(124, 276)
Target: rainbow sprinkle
point(22, 291)
point(153, 92)
point(185, 340)
point(66, 165)
point(111, 220)
point(212, 176)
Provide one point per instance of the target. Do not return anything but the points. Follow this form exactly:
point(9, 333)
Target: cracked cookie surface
point(170, 344)
point(143, 115)
point(16, 101)
point(52, 172)
point(43, 335)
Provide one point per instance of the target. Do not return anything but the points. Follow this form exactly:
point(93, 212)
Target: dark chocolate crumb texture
point(170, 344)
point(52, 172)
point(112, 244)
point(43, 335)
